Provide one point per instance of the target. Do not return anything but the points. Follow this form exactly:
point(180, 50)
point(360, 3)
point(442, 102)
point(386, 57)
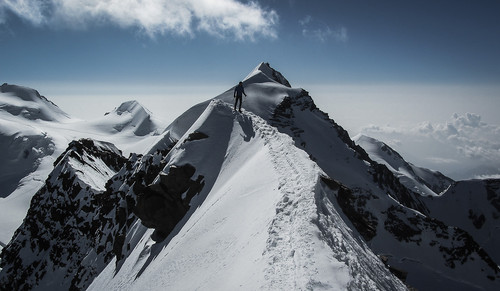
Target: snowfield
point(277, 197)
point(258, 227)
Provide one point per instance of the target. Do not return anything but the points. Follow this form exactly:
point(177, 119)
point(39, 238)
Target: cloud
point(221, 18)
point(320, 31)
point(439, 160)
point(462, 144)
point(494, 176)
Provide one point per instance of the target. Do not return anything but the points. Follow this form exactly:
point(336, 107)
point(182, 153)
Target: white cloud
point(494, 176)
point(320, 31)
point(222, 18)
point(464, 145)
point(306, 20)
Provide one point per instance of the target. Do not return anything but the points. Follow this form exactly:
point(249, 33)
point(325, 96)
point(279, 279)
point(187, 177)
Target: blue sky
point(310, 41)
point(376, 67)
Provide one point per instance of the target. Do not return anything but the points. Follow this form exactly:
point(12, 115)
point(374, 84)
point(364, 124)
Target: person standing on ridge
point(239, 91)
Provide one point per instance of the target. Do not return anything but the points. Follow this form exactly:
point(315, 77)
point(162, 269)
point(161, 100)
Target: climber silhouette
point(239, 91)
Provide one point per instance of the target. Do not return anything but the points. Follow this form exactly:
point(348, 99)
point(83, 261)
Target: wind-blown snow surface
point(257, 227)
point(283, 200)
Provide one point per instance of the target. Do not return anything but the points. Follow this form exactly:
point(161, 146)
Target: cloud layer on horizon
point(463, 147)
point(220, 18)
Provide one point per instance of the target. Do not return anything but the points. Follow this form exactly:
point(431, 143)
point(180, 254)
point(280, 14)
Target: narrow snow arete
point(277, 197)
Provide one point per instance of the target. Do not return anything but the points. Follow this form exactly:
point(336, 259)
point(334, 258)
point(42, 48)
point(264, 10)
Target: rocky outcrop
point(62, 222)
point(162, 205)
point(354, 207)
point(76, 224)
point(387, 181)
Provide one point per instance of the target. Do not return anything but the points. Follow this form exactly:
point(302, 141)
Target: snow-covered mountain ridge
point(275, 198)
point(420, 180)
point(34, 132)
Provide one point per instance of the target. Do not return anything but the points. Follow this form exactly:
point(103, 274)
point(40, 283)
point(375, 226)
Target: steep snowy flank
point(254, 225)
point(393, 219)
point(20, 154)
point(23, 144)
point(62, 223)
point(264, 94)
point(475, 207)
point(278, 197)
point(25, 151)
point(420, 180)
point(34, 132)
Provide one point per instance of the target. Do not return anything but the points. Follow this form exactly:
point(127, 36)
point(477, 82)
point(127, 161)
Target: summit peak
point(131, 106)
point(265, 73)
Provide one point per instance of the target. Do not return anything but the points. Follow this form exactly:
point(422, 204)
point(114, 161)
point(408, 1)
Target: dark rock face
point(62, 222)
point(455, 245)
point(197, 135)
point(72, 231)
point(440, 182)
point(278, 77)
point(399, 273)
point(354, 208)
point(387, 181)
point(493, 193)
point(477, 219)
point(161, 206)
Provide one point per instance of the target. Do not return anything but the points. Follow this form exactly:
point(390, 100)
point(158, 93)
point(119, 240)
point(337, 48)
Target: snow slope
point(390, 224)
point(129, 116)
point(472, 205)
point(276, 198)
point(34, 132)
point(257, 227)
point(420, 180)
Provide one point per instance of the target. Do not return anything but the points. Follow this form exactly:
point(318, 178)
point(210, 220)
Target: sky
point(389, 69)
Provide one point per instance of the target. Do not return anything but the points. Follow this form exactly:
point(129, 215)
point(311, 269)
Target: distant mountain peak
point(132, 106)
point(130, 115)
point(421, 180)
point(265, 73)
point(25, 93)
point(28, 103)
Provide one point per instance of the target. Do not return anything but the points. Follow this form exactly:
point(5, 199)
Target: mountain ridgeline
point(278, 197)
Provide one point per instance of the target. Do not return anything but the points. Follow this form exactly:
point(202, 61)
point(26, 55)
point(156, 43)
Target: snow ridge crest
point(265, 73)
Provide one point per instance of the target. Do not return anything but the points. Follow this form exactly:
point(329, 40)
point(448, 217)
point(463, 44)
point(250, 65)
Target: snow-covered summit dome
point(133, 107)
point(24, 93)
point(28, 103)
point(129, 116)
